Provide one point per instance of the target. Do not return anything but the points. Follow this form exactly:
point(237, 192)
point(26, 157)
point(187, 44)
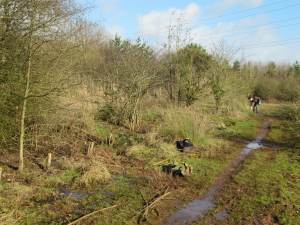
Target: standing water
point(197, 209)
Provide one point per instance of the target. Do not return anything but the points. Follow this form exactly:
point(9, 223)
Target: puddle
point(73, 194)
point(197, 209)
point(83, 195)
point(194, 210)
point(222, 215)
point(252, 146)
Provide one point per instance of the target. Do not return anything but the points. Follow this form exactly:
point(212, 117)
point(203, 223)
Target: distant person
point(254, 101)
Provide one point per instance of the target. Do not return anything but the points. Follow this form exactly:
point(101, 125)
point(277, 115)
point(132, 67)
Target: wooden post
point(110, 140)
point(90, 148)
point(36, 137)
point(1, 173)
point(49, 158)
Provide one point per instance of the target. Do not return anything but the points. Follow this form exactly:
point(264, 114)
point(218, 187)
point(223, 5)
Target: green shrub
point(263, 89)
point(152, 117)
point(70, 175)
point(282, 90)
point(287, 91)
point(109, 114)
point(123, 140)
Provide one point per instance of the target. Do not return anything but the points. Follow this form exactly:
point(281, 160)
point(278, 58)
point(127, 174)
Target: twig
point(90, 214)
point(150, 205)
point(160, 162)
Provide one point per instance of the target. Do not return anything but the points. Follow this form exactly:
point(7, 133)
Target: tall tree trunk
point(23, 115)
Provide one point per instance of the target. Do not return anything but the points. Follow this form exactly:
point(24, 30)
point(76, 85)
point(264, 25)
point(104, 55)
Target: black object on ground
point(171, 169)
point(177, 169)
point(184, 144)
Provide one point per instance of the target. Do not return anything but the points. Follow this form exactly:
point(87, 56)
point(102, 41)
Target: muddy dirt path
point(198, 208)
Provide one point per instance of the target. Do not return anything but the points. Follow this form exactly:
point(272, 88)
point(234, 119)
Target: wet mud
point(198, 208)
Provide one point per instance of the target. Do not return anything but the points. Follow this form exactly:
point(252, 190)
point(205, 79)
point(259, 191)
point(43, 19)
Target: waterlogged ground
point(56, 196)
point(199, 208)
point(265, 190)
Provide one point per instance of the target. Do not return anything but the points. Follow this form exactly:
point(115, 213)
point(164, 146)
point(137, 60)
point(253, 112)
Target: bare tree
point(36, 26)
point(130, 71)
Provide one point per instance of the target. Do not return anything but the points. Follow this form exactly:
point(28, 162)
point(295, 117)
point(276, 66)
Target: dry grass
point(95, 174)
point(189, 123)
point(82, 105)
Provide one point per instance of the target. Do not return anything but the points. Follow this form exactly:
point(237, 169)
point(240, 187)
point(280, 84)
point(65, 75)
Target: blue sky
point(259, 30)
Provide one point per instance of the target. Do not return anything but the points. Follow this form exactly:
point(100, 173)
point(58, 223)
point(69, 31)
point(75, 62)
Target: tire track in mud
point(199, 208)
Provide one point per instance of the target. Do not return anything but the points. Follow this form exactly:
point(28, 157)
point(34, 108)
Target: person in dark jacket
point(254, 101)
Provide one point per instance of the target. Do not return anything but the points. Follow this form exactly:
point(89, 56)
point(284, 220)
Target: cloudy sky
point(259, 30)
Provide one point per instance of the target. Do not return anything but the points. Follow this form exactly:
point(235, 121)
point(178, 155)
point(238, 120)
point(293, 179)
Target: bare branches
point(151, 205)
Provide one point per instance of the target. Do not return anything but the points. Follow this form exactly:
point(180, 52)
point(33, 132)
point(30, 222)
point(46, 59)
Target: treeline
point(273, 81)
point(59, 74)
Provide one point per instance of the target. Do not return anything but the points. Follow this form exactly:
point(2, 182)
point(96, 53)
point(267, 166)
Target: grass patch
point(136, 174)
point(187, 123)
point(204, 171)
point(285, 128)
point(127, 191)
point(267, 189)
point(151, 155)
point(284, 112)
point(103, 131)
point(70, 175)
point(237, 129)
point(95, 174)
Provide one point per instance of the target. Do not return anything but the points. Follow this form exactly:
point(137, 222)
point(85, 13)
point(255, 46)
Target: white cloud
point(239, 33)
point(156, 23)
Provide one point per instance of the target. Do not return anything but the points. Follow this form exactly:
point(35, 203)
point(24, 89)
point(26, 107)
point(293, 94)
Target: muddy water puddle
point(197, 209)
point(76, 195)
point(222, 215)
point(73, 194)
